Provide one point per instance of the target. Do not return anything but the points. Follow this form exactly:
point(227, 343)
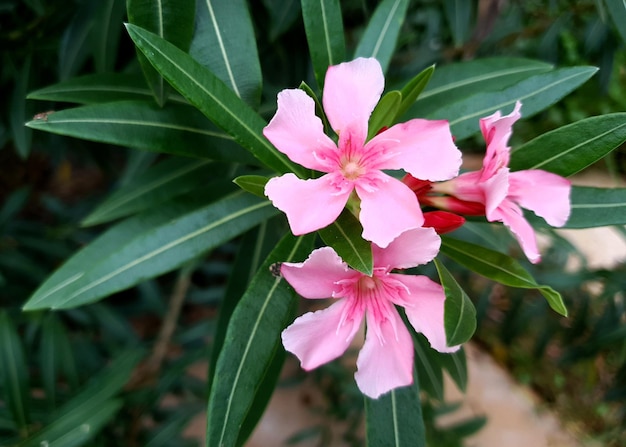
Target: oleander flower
point(500, 194)
point(386, 358)
point(387, 207)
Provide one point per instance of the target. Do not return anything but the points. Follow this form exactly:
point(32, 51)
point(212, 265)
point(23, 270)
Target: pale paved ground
point(516, 417)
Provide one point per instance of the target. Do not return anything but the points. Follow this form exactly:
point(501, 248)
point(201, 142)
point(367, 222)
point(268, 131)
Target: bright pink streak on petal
point(309, 204)
point(511, 215)
point(317, 276)
point(319, 337)
point(410, 249)
point(386, 359)
point(422, 148)
point(545, 193)
point(424, 309)
point(387, 210)
point(496, 131)
point(351, 91)
point(298, 133)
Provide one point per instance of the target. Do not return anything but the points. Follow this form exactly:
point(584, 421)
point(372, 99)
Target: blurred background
point(576, 367)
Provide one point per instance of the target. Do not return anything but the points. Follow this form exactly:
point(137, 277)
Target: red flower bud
point(443, 221)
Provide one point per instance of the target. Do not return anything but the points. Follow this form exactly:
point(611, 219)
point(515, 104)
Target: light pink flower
point(504, 193)
point(388, 207)
point(386, 359)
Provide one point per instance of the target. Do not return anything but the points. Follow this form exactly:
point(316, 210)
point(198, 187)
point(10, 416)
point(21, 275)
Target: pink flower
point(387, 206)
point(386, 359)
point(504, 193)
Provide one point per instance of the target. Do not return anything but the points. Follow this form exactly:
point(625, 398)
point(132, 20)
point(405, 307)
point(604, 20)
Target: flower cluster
point(390, 212)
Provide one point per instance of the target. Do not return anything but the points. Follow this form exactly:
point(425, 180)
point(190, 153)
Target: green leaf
point(106, 33)
point(597, 207)
point(283, 13)
point(172, 20)
point(76, 40)
point(381, 35)
point(225, 43)
point(452, 82)
point(460, 15)
point(412, 90)
point(570, 149)
point(459, 312)
point(344, 235)
point(254, 184)
point(213, 98)
point(82, 417)
point(395, 418)
point(168, 239)
point(164, 181)
point(428, 367)
point(252, 338)
point(324, 32)
point(56, 357)
point(176, 129)
point(96, 88)
point(384, 113)
point(536, 93)
point(498, 267)
point(22, 137)
point(617, 11)
point(456, 365)
point(13, 374)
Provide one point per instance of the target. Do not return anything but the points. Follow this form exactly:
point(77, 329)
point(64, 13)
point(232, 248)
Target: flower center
point(352, 170)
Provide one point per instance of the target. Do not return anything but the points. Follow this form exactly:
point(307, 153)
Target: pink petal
point(496, 131)
point(386, 359)
point(316, 277)
point(424, 309)
point(511, 215)
point(309, 204)
point(319, 337)
point(410, 249)
point(388, 208)
point(351, 91)
point(298, 133)
point(545, 193)
point(466, 187)
point(422, 148)
point(496, 190)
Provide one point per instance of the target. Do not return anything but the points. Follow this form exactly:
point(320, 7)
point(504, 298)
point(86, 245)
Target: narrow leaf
point(252, 339)
point(597, 207)
point(164, 181)
point(459, 312)
point(75, 41)
point(381, 35)
point(452, 82)
point(344, 235)
point(395, 419)
point(225, 43)
point(96, 88)
point(283, 13)
point(570, 149)
point(459, 14)
point(412, 90)
point(106, 33)
point(205, 91)
point(456, 365)
point(171, 20)
point(498, 267)
point(85, 414)
point(536, 93)
point(176, 129)
point(427, 367)
point(13, 373)
point(151, 251)
point(324, 32)
point(384, 113)
point(254, 184)
point(22, 137)
point(617, 11)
